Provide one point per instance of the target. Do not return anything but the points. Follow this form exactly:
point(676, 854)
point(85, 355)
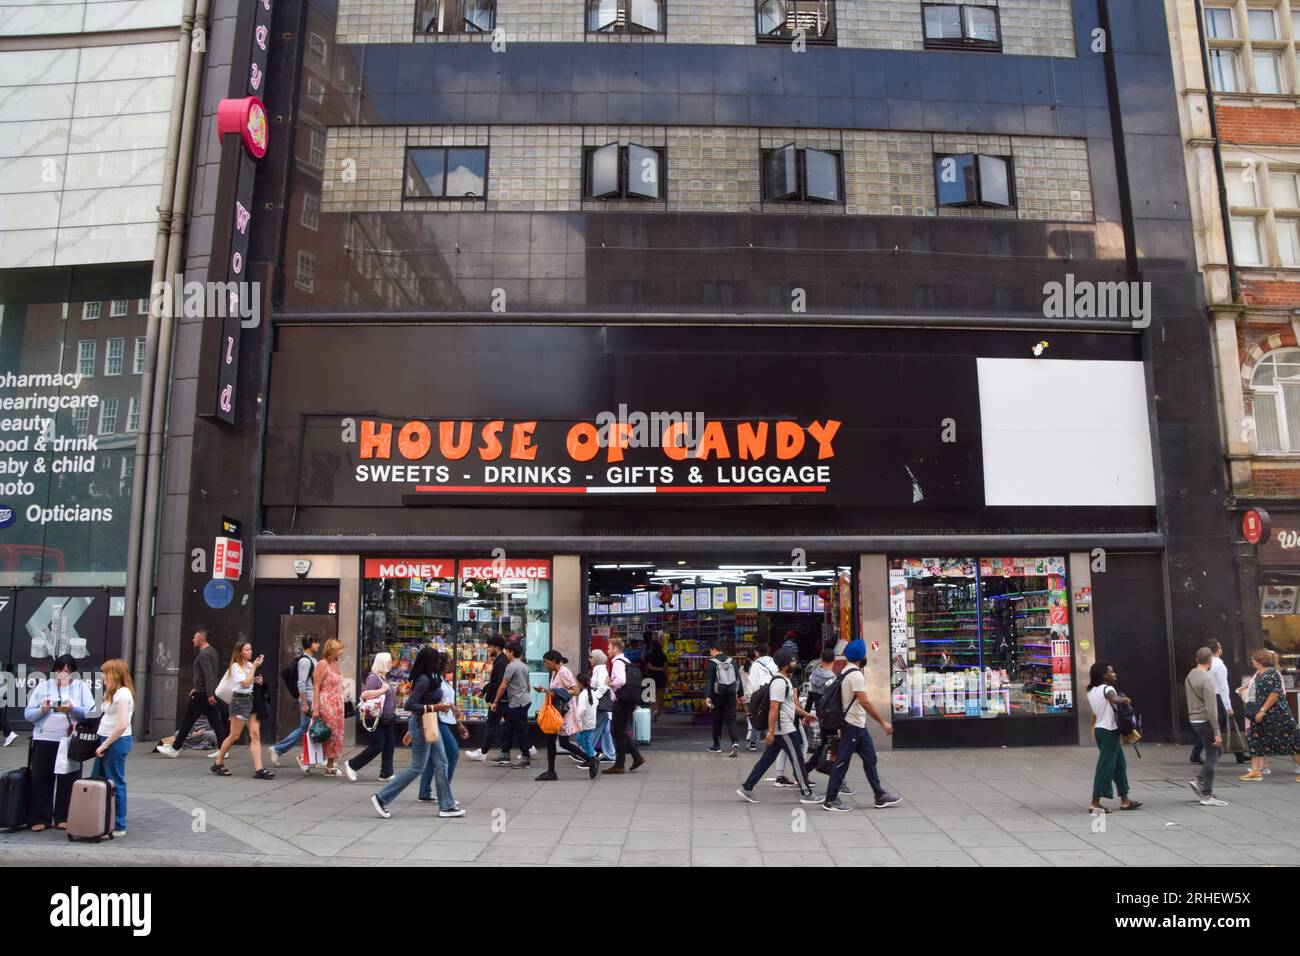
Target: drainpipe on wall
point(132, 610)
point(1234, 280)
point(162, 382)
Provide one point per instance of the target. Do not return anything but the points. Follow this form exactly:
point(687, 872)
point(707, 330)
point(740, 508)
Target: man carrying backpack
point(760, 672)
point(775, 709)
point(625, 680)
point(723, 683)
point(297, 678)
point(854, 736)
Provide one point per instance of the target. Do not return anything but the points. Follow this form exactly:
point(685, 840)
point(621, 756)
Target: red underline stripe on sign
point(626, 489)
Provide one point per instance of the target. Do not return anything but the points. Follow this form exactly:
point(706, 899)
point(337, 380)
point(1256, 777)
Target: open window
point(625, 16)
point(455, 16)
point(971, 179)
point(961, 26)
point(446, 173)
point(783, 20)
point(802, 175)
point(623, 172)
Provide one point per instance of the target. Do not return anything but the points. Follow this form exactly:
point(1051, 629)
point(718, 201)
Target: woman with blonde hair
point(115, 734)
point(382, 739)
point(1273, 731)
point(602, 739)
point(244, 680)
point(327, 702)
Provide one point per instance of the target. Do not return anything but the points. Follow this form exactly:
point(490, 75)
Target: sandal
point(39, 827)
point(220, 769)
point(1099, 809)
point(264, 774)
point(1132, 805)
point(333, 772)
point(60, 826)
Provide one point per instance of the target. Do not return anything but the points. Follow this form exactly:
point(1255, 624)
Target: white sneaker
point(347, 769)
point(455, 812)
point(165, 749)
point(532, 751)
point(214, 755)
point(11, 738)
point(476, 754)
point(1213, 802)
point(118, 834)
point(274, 756)
point(1265, 772)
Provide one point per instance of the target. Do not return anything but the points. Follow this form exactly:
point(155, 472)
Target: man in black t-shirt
point(495, 647)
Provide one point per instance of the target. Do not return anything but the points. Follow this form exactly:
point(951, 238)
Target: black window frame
point(458, 6)
point(628, 28)
point(445, 150)
point(801, 193)
point(786, 35)
point(964, 42)
point(624, 192)
point(979, 202)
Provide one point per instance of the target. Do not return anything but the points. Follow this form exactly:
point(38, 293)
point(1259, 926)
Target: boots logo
point(102, 910)
point(7, 516)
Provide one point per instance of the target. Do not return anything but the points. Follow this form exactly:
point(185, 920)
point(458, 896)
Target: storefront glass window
point(980, 637)
point(457, 605)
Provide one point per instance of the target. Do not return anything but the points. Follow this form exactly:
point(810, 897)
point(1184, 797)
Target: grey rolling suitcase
point(92, 810)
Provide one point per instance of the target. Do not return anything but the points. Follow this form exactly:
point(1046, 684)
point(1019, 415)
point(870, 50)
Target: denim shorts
point(241, 706)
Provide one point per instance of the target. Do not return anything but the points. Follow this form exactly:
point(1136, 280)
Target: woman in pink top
point(562, 679)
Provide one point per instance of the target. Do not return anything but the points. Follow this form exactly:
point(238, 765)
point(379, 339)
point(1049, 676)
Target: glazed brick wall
point(1271, 294)
point(1259, 124)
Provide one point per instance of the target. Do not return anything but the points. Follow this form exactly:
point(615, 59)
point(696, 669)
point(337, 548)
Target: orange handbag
point(549, 719)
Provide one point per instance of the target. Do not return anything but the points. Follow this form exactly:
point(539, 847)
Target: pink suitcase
point(93, 810)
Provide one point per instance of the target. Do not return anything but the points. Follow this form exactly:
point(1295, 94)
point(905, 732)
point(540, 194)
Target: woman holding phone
point(53, 708)
point(243, 676)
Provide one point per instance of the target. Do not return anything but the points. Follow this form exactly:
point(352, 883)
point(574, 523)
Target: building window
point(1275, 391)
point(1249, 49)
point(446, 173)
point(86, 357)
point(455, 16)
point(311, 211)
point(1261, 23)
point(141, 306)
point(1268, 71)
point(118, 308)
point(90, 310)
point(985, 637)
point(316, 149)
point(625, 16)
point(785, 19)
point(802, 175)
point(1246, 247)
point(315, 90)
point(1223, 71)
point(1265, 214)
point(306, 277)
point(1218, 23)
point(137, 365)
point(108, 416)
point(317, 49)
point(133, 414)
point(962, 26)
point(81, 420)
point(623, 172)
point(113, 356)
point(971, 179)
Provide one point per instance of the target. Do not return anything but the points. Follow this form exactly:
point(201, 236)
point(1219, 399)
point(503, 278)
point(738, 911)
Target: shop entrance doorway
point(669, 612)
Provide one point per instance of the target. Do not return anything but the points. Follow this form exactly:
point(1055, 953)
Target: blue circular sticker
point(7, 516)
point(218, 594)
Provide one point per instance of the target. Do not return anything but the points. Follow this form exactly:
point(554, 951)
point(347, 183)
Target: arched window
point(1275, 387)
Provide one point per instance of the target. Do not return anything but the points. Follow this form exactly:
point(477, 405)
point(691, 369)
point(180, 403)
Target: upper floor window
point(316, 148)
point(971, 179)
point(1275, 390)
point(1218, 23)
point(802, 175)
point(962, 26)
point(623, 172)
point(787, 19)
point(317, 48)
point(315, 90)
point(625, 16)
point(1249, 48)
point(90, 310)
point(452, 172)
point(455, 16)
point(118, 308)
point(1265, 214)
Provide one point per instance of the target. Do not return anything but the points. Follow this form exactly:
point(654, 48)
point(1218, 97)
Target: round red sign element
point(1255, 526)
point(247, 117)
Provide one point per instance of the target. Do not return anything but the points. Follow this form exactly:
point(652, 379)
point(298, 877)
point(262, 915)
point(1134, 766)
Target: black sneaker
point(501, 762)
point(887, 800)
point(549, 775)
point(837, 806)
point(715, 749)
point(1197, 760)
point(784, 782)
point(811, 797)
point(522, 765)
point(752, 747)
point(735, 750)
point(379, 805)
point(427, 799)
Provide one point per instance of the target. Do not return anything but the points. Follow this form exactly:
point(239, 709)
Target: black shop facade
point(945, 495)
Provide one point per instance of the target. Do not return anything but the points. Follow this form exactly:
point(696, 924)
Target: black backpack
point(830, 707)
point(290, 674)
point(629, 695)
point(760, 703)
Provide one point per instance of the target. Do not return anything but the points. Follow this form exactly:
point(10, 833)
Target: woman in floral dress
point(1273, 731)
point(328, 703)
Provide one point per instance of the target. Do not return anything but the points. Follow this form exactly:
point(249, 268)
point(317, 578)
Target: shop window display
point(980, 637)
point(457, 605)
